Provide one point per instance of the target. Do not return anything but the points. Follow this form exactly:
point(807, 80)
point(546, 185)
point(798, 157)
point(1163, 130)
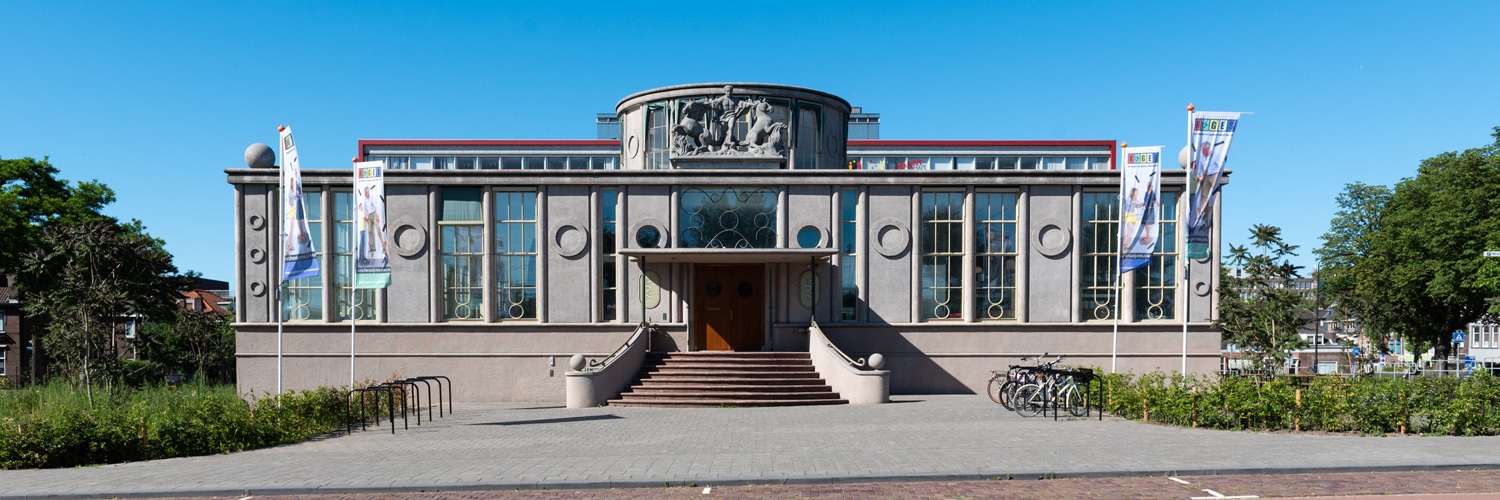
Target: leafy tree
point(85, 279)
point(33, 197)
point(1259, 312)
point(1410, 262)
point(191, 341)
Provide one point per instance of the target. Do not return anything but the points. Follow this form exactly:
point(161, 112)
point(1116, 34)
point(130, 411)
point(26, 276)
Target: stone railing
point(593, 383)
point(847, 376)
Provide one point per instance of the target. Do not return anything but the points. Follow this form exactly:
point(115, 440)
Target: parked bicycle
point(1056, 390)
point(1003, 384)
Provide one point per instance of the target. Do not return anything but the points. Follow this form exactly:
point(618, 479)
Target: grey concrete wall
point(891, 249)
point(1050, 249)
point(258, 230)
point(649, 205)
point(807, 206)
point(571, 279)
point(633, 138)
point(409, 298)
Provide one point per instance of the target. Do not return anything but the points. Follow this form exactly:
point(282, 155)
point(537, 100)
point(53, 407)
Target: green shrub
point(1367, 405)
point(54, 426)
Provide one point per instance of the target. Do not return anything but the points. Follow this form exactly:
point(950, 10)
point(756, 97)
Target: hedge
point(53, 425)
point(1367, 405)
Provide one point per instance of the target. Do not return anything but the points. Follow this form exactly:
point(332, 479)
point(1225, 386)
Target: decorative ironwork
point(728, 218)
point(1100, 241)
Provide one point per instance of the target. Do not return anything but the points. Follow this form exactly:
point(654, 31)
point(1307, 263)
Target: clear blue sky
point(155, 99)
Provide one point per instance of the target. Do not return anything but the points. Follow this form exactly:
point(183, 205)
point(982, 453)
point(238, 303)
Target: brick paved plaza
point(916, 441)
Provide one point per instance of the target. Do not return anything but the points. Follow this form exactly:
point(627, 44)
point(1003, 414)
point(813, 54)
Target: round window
point(648, 237)
point(809, 237)
point(713, 289)
point(746, 289)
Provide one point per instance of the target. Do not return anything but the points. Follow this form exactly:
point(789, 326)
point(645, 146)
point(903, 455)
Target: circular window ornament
point(257, 256)
point(1051, 238)
point(409, 238)
point(890, 237)
point(257, 289)
point(713, 289)
point(570, 239)
point(257, 222)
point(633, 146)
point(745, 289)
point(809, 237)
point(1201, 288)
point(648, 237)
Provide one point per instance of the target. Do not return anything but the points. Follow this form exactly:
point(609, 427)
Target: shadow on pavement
point(554, 420)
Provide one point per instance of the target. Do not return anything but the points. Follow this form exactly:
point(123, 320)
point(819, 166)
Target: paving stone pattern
point(918, 439)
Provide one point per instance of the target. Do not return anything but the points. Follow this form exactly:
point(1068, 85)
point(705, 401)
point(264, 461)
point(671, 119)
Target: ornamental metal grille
point(1156, 284)
point(1100, 241)
point(942, 254)
point(303, 298)
point(728, 217)
point(995, 255)
point(363, 299)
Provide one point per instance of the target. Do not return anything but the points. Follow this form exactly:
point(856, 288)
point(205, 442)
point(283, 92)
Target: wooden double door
point(729, 307)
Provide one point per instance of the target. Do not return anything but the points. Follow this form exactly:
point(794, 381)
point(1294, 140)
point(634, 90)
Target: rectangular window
point(466, 163)
point(657, 121)
point(461, 224)
point(849, 253)
point(363, 300)
point(489, 163)
point(303, 298)
point(1100, 241)
point(2, 362)
point(421, 163)
point(995, 255)
point(515, 254)
point(609, 199)
point(2, 322)
point(605, 163)
point(1156, 283)
point(1028, 162)
point(808, 137)
point(942, 254)
point(510, 163)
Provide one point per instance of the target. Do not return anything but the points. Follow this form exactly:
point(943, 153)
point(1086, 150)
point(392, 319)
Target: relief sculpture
point(699, 134)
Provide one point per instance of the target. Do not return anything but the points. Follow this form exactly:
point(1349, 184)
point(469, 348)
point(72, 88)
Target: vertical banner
point(372, 261)
point(1209, 135)
point(299, 259)
point(1140, 181)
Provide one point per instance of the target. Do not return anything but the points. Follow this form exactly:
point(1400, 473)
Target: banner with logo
point(1140, 206)
point(372, 261)
point(299, 259)
point(1209, 135)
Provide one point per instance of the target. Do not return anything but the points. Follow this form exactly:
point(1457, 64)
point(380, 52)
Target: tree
point(1411, 263)
point(191, 341)
point(85, 279)
point(1259, 311)
point(32, 197)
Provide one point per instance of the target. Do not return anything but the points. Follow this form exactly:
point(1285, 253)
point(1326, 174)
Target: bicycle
point(1054, 389)
point(1003, 384)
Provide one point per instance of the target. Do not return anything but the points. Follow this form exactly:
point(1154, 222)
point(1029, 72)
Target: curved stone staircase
point(715, 378)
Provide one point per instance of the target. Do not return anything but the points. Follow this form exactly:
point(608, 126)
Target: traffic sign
point(1492, 253)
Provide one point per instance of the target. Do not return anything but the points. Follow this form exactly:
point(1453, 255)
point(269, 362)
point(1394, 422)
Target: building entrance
point(729, 306)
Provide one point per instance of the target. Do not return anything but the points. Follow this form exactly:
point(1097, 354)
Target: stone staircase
point(681, 379)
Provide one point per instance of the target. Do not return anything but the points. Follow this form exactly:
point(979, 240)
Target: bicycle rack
point(440, 379)
point(413, 381)
point(364, 424)
point(390, 389)
point(404, 409)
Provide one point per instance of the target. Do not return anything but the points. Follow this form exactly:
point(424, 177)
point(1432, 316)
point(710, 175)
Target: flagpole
point(353, 269)
point(1187, 262)
point(280, 259)
point(1114, 346)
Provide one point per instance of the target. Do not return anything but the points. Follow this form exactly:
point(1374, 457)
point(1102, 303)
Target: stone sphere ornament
point(260, 156)
point(576, 362)
point(877, 361)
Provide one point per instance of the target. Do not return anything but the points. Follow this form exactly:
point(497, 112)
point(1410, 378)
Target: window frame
point(1108, 256)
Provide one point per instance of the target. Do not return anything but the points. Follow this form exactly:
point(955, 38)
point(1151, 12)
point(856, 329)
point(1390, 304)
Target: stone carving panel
point(710, 127)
